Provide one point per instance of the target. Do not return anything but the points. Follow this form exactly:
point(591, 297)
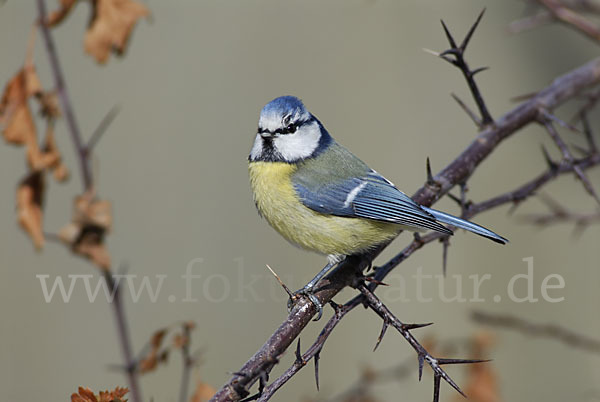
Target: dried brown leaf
point(111, 27)
point(482, 385)
point(84, 395)
point(57, 16)
point(157, 338)
point(92, 219)
point(30, 198)
point(115, 395)
point(180, 340)
point(15, 115)
point(87, 395)
point(203, 392)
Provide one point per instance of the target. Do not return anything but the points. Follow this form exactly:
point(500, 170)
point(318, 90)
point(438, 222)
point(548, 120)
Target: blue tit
point(321, 197)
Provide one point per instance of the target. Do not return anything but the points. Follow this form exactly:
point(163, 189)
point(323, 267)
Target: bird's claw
point(307, 291)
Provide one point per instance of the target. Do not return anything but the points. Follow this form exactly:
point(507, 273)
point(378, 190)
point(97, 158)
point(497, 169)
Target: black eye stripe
point(290, 129)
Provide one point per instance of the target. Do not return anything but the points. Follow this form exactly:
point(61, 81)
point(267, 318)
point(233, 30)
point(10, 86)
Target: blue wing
point(371, 196)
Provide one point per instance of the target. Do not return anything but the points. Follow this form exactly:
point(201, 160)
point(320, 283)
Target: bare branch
point(101, 129)
point(568, 158)
point(572, 18)
point(553, 331)
point(458, 60)
point(63, 95)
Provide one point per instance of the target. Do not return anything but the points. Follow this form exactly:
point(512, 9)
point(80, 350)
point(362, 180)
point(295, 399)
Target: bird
point(321, 197)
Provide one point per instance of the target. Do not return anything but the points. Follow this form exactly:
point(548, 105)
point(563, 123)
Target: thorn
point(514, 207)
point(436, 387)
point(560, 122)
point(524, 97)
point(336, 307)
point(421, 358)
point(316, 358)
point(551, 164)
point(553, 205)
point(416, 326)
point(375, 281)
point(433, 52)
point(467, 38)
point(101, 129)
point(586, 183)
point(478, 70)
point(462, 361)
point(299, 358)
point(287, 290)
point(581, 150)
point(430, 179)
point(448, 35)
point(381, 334)
point(466, 109)
point(445, 246)
point(263, 380)
point(588, 133)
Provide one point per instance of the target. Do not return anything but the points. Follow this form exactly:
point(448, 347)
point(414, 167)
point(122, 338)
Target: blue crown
point(284, 105)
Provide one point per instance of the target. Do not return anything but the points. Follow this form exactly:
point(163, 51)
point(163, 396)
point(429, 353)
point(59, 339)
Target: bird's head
point(287, 132)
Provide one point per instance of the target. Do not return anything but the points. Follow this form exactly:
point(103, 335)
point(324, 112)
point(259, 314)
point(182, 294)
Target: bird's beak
point(266, 134)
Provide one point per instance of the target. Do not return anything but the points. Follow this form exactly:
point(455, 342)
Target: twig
point(188, 363)
point(552, 331)
point(101, 129)
point(526, 190)
point(87, 180)
point(124, 337)
point(404, 329)
point(572, 18)
point(63, 94)
point(467, 110)
point(560, 214)
point(568, 158)
point(459, 170)
point(459, 61)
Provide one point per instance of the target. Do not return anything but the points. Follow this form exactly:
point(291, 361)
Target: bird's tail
point(463, 224)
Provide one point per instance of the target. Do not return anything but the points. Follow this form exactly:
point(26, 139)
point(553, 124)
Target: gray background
point(174, 166)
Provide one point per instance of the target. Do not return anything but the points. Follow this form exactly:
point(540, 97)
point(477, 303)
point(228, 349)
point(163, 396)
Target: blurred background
point(173, 164)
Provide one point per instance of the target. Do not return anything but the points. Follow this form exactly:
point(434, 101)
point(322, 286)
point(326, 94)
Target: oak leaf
point(111, 26)
point(30, 199)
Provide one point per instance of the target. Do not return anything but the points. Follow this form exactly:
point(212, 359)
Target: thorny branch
point(569, 16)
point(458, 171)
point(551, 330)
point(560, 214)
point(570, 12)
point(82, 153)
point(513, 197)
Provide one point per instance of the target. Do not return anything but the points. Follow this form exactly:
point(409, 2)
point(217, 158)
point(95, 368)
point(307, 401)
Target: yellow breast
point(278, 203)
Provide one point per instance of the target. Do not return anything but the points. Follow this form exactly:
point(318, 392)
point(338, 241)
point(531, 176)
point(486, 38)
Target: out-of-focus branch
point(569, 16)
point(65, 101)
point(560, 214)
point(81, 151)
point(552, 331)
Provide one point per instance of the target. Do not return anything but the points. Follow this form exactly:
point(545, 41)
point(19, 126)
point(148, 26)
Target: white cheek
point(299, 145)
point(256, 148)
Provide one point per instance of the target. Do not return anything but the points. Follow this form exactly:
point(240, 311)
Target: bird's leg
point(308, 289)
